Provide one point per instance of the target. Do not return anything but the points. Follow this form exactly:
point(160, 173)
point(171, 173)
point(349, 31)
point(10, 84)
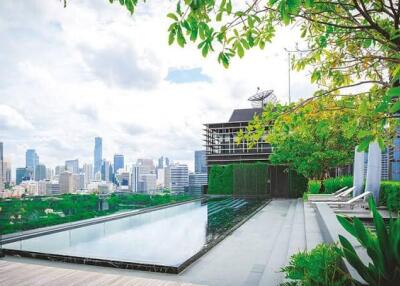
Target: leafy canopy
point(316, 137)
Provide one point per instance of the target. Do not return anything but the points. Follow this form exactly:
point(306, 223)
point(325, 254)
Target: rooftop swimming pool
point(164, 240)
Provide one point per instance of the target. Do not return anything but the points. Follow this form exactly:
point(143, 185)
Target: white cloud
point(68, 75)
point(11, 119)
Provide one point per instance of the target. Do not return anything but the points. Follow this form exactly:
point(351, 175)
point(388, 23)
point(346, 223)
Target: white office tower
point(52, 187)
point(179, 177)
point(6, 171)
point(135, 174)
point(66, 183)
point(88, 172)
point(1, 168)
point(78, 182)
point(49, 174)
point(149, 182)
point(42, 187)
point(146, 166)
point(160, 178)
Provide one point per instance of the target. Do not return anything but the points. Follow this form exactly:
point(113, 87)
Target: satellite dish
point(262, 97)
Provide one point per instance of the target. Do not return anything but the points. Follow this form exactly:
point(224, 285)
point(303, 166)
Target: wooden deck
point(15, 274)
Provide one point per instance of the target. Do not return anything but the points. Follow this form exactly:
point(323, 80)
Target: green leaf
point(393, 92)
point(395, 107)
point(347, 225)
point(172, 16)
point(239, 49)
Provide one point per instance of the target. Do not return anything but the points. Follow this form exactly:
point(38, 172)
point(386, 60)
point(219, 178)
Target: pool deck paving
point(252, 255)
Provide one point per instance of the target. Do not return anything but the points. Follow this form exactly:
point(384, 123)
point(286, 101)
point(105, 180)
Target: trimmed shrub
point(334, 184)
point(390, 195)
point(319, 267)
point(313, 186)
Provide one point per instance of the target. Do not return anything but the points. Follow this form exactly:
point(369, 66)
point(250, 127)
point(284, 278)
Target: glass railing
point(23, 215)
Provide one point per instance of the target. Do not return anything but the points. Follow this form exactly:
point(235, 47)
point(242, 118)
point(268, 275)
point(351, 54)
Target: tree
point(315, 138)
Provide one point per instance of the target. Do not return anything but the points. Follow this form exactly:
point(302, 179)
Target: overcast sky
point(68, 75)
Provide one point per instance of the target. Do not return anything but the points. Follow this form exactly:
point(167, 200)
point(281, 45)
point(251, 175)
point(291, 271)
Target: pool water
point(166, 237)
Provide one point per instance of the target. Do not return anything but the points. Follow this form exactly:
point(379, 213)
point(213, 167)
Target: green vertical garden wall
point(255, 180)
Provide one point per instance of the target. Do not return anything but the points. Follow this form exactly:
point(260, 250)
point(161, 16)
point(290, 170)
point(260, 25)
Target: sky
point(91, 69)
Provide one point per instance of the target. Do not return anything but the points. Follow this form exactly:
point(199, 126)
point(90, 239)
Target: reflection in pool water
point(168, 236)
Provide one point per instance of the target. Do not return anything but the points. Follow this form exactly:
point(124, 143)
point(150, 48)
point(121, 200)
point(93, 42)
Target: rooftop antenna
point(262, 97)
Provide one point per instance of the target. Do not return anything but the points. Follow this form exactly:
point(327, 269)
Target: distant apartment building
point(146, 166)
point(59, 170)
point(149, 182)
point(107, 171)
point(160, 178)
point(200, 164)
point(197, 181)
point(21, 174)
point(98, 154)
point(72, 166)
point(31, 161)
point(31, 187)
point(40, 172)
point(160, 164)
point(1, 168)
point(135, 175)
point(88, 171)
point(118, 162)
point(52, 188)
point(178, 177)
point(78, 182)
point(66, 182)
point(7, 172)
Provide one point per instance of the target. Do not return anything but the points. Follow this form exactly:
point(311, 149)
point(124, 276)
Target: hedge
point(390, 195)
point(220, 180)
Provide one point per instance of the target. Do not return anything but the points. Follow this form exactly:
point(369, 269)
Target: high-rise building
point(146, 166)
point(78, 182)
point(31, 160)
point(197, 181)
point(160, 178)
point(40, 172)
point(179, 177)
point(200, 165)
point(59, 170)
point(21, 174)
point(167, 163)
point(1, 168)
point(149, 182)
point(98, 154)
point(135, 174)
point(160, 163)
point(66, 182)
point(88, 171)
point(72, 166)
point(118, 162)
point(49, 174)
point(106, 171)
point(6, 172)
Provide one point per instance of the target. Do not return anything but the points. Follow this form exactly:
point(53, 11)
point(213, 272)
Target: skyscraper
point(88, 171)
point(160, 163)
point(66, 182)
point(72, 166)
point(31, 161)
point(1, 168)
point(20, 175)
point(40, 172)
point(179, 177)
point(200, 165)
point(118, 162)
point(166, 161)
point(135, 178)
point(98, 154)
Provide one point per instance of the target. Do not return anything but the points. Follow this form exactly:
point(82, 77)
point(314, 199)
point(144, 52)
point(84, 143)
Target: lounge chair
point(350, 202)
point(337, 196)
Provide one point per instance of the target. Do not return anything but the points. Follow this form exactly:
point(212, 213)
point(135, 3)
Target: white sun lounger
point(338, 192)
point(332, 197)
point(350, 202)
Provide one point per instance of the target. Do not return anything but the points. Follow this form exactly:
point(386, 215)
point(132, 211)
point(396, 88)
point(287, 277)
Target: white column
point(358, 172)
point(374, 170)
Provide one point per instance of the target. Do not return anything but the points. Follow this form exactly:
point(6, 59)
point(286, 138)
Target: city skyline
point(153, 103)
